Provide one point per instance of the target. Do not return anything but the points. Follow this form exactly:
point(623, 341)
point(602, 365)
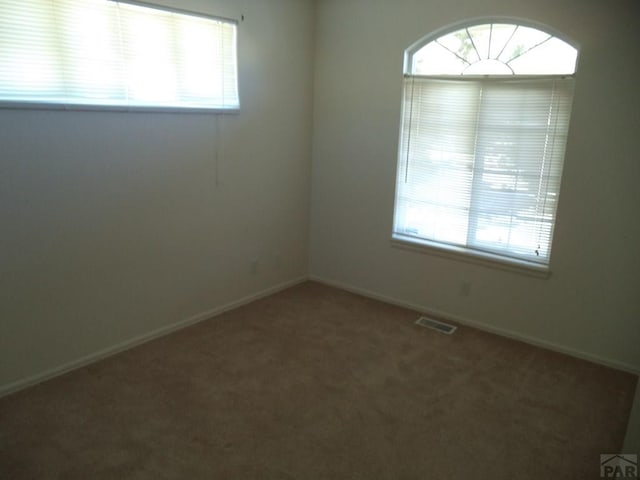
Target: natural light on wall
point(485, 120)
point(102, 53)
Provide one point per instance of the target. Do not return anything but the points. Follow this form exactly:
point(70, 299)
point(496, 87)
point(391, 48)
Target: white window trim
point(477, 257)
point(71, 107)
point(461, 253)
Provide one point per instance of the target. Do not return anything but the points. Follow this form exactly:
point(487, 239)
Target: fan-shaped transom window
point(495, 49)
point(486, 112)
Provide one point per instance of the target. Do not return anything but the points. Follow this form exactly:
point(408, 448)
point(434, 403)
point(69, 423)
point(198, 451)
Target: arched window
point(494, 49)
point(485, 119)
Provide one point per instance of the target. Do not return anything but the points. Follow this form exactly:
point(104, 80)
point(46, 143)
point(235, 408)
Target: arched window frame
point(414, 48)
point(536, 260)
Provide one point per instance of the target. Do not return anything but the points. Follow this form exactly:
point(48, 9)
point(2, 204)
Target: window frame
point(69, 105)
point(467, 253)
point(439, 32)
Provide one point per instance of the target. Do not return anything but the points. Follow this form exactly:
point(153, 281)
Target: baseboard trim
point(139, 340)
point(480, 326)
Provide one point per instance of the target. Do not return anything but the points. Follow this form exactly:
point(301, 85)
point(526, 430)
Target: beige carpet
point(317, 383)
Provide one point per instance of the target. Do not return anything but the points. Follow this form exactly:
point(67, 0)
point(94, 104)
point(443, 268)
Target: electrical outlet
point(254, 266)
point(465, 288)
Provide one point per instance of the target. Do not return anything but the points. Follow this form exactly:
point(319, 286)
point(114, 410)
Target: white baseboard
point(139, 340)
point(482, 326)
point(133, 342)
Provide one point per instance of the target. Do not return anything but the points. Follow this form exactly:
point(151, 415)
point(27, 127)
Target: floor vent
point(436, 325)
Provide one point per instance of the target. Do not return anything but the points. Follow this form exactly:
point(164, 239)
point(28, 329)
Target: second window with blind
point(486, 112)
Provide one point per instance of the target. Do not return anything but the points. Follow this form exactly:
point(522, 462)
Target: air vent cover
point(436, 325)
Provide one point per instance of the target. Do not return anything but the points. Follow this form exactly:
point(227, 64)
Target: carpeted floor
point(317, 383)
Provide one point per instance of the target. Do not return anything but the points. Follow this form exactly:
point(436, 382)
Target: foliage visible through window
point(495, 49)
point(108, 53)
point(485, 119)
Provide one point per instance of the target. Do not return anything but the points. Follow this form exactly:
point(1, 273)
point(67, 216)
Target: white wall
point(114, 225)
point(591, 304)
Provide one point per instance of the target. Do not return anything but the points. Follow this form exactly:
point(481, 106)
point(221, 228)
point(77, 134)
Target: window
point(104, 53)
point(483, 132)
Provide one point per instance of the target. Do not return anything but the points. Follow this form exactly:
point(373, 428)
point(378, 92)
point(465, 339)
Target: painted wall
point(115, 225)
point(591, 304)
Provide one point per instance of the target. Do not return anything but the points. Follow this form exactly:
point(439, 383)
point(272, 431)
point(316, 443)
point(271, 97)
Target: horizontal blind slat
point(480, 163)
point(96, 52)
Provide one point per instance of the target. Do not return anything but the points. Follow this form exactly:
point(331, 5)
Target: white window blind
point(480, 164)
point(104, 53)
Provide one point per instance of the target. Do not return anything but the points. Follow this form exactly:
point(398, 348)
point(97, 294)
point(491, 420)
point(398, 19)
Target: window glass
point(495, 49)
point(480, 158)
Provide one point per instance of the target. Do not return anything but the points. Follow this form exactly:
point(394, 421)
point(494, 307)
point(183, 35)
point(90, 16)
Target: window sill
point(79, 107)
point(470, 256)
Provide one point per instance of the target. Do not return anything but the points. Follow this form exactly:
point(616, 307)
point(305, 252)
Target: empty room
point(319, 239)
